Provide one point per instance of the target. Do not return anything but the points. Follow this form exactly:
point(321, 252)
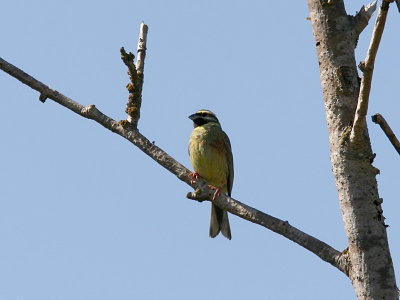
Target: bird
point(211, 156)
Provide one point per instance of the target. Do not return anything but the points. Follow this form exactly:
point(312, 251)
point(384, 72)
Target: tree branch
point(367, 67)
point(319, 248)
point(379, 119)
point(203, 192)
point(361, 19)
point(136, 75)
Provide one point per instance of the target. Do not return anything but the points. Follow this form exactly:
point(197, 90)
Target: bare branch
point(368, 67)
point(44, 90)
point(361, 19)
point(203, 192)
point(128, 59)
point(136, 75)
point(379, 119)
point(319, 248)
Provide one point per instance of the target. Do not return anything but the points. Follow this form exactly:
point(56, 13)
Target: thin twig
point(128, 59)
point(136, 75)
point(379, 119)
point(141, 49)
point(319, 248)
point(367, 68)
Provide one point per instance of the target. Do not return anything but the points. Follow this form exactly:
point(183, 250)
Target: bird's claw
point(194, 176)
point(216, 193)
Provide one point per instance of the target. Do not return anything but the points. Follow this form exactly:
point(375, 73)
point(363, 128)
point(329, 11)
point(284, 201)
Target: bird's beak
point(192, 117)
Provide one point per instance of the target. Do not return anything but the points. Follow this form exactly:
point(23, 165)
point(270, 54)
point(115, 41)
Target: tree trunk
point(370, 265)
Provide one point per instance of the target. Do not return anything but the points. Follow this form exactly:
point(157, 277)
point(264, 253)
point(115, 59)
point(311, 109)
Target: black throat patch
point(199, 122)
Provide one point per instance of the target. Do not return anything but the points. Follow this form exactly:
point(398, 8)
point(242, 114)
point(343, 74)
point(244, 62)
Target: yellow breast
point(208, 155)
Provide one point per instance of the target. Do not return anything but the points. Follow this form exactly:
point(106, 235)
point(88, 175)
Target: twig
point(379, 119)
point(361, 19)
point(141, 49)
point(319, 248)
point(128, 59)
point(136, 75)
point(367, 67)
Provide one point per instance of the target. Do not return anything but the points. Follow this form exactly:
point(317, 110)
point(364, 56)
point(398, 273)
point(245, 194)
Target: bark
point(371, 269)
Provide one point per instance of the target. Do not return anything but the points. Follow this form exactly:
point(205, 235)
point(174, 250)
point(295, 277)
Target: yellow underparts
point(208, 156)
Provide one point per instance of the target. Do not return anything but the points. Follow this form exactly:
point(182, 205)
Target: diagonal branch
point(319, 248)
point(361, 19)
point(379, 119)
point(367, 67)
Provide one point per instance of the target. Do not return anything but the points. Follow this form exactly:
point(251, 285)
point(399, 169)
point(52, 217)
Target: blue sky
point(85, 215)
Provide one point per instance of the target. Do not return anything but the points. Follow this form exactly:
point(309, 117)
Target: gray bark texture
point(370, 267)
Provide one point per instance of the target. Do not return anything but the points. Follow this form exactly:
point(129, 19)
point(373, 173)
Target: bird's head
point(203, 116)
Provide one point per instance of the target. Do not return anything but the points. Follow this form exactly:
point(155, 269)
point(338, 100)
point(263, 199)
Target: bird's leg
point(194, 176)
point(216, 193)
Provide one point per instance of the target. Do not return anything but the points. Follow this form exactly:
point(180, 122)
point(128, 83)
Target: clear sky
point(86, 215)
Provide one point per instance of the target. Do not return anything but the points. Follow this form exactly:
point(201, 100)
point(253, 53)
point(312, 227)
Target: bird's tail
point(219, 222)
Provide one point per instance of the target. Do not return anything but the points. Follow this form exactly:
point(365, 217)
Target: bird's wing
point(229, 181)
